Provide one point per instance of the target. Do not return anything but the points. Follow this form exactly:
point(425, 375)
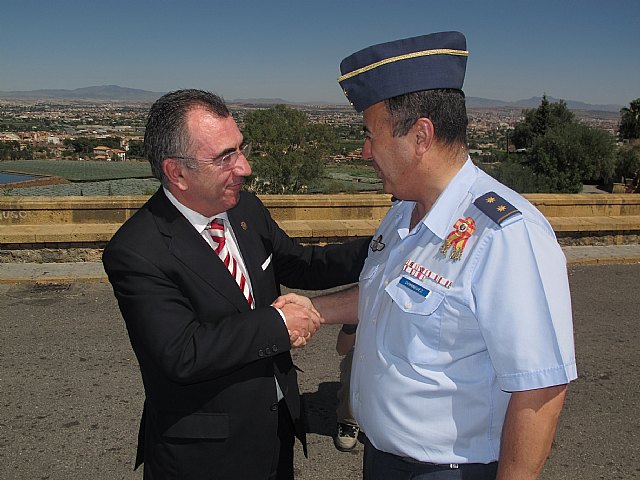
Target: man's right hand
point(301, 321)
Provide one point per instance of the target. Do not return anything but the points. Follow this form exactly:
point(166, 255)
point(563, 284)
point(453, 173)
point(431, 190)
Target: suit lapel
point(188, 246)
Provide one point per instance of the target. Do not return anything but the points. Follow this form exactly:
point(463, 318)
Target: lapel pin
point(243, 225)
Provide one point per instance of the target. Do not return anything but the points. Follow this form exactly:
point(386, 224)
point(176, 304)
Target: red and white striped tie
point(216, 230)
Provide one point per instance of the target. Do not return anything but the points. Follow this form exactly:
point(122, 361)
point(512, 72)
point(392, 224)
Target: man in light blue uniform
point(465, 341)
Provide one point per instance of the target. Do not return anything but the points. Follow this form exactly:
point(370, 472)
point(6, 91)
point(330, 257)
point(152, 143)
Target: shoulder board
point(495, 207)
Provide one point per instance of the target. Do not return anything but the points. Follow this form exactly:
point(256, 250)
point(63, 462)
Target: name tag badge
point(414, 287)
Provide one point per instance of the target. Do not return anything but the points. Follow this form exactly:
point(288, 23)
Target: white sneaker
point(346, 438)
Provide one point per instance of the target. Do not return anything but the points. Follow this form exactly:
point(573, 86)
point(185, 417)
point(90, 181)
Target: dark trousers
point(378, 465)
point(282, 467)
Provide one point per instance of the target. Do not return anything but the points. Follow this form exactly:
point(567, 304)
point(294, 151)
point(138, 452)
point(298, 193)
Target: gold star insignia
point(495, 207)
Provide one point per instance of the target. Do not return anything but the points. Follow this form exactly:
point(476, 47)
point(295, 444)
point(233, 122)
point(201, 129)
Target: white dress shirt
point(200, 223)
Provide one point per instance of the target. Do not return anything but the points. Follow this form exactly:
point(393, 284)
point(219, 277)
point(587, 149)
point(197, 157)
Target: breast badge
point(462, 230)
point(377, 245)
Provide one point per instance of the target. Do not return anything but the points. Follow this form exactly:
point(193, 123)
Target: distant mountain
point(262, 101)
point(280, 101)
point(100, 93)
point(124, 94)
point(534, 102)
point(477, 102)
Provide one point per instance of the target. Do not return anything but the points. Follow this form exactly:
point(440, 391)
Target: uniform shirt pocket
point(366, 283)
point(413, 328)
point(368, 272)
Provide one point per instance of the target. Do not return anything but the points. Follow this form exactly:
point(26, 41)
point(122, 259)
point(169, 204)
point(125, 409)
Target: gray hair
point(166, 134)
point(445, 108)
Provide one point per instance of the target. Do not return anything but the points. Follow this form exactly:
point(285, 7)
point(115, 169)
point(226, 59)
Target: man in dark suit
point(222, 398)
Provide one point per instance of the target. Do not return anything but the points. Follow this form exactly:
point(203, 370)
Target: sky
point(567, 49)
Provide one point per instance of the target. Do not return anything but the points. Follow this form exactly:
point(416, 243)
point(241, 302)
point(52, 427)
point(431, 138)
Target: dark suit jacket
point(207, 360)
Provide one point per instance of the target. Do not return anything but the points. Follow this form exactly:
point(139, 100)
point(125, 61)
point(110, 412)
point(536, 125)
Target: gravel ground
point(71, 394)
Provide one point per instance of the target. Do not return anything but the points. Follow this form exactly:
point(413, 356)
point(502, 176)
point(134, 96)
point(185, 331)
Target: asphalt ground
point(71, 394)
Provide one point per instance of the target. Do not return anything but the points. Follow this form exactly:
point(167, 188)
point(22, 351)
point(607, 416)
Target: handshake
point(302, 318)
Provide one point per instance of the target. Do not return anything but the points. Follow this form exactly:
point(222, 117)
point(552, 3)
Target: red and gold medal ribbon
point(462, 230)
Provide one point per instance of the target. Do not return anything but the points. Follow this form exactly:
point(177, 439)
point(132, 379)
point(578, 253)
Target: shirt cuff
point(549, 377)
point(284, 319)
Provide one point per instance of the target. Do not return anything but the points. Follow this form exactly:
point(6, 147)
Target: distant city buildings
point(50, 123)
point(106, 153)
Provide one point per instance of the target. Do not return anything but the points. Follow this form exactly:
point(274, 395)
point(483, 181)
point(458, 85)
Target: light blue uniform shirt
point(440, 346)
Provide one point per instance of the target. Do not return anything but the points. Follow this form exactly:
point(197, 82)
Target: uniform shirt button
point(386, 282)
point(407, 304)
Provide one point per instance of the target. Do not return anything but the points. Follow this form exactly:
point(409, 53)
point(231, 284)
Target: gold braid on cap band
point(439, 51)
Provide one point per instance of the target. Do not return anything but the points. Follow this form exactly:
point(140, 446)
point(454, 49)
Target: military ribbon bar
point(421, 273)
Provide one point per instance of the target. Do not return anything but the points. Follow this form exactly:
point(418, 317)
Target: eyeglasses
point(224, 162)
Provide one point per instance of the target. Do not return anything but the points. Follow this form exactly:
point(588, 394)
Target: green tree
point(85, 145)
point(628, 161)
point(289, 149)
point(563, 150)
point(80, 145)
point(136, 149)
point(111, 142)
point(572, 154)
point(517, 176)
point(630, 121)
point(538, 120)
point(41, 152)
point(10, 150)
